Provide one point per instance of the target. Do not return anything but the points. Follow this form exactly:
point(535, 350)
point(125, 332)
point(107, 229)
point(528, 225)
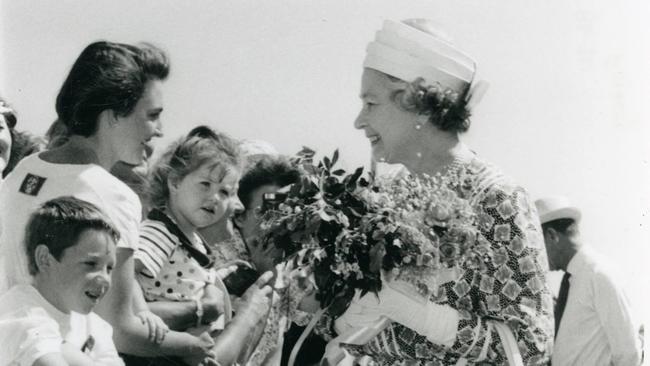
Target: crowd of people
point(107, 258)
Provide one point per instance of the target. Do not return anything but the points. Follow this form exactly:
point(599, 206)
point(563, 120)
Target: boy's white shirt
point(31, 327)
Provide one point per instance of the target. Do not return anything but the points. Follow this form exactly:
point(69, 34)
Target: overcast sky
point(566, 112)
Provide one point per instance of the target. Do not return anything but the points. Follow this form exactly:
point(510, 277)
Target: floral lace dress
point(513, 289)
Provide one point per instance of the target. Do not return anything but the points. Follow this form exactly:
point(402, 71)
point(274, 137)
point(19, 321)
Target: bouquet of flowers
point(347, 228)
point(323, 220)
point(437, 232)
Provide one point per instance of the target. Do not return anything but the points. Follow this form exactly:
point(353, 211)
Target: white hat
point(556, 207)
point(405, 51)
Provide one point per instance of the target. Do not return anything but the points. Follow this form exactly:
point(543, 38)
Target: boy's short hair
point(59, 222)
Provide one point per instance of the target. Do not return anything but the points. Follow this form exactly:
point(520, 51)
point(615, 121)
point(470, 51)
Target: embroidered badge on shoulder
point(32, 184)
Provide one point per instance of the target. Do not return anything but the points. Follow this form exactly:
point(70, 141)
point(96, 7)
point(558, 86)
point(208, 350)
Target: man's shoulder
point(596, 268)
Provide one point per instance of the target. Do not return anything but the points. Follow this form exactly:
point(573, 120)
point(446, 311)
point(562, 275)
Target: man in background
point(594, 324)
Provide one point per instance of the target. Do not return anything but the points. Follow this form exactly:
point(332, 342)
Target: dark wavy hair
point(445, 108)
point(23, 144)
point(201, 146)
point(266, 170)
point(107, 76)
point(59, 222)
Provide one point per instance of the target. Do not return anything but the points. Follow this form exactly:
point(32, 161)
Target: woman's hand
point(204, 354)
point(255, 303)
point(213, 301)
point(399, 301)
point(157, 327)
point(210, 360)
point(264, 257)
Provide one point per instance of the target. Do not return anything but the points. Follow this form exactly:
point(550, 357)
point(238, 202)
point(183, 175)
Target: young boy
point(70, 247)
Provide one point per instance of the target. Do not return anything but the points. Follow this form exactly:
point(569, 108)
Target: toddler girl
point(190, 187)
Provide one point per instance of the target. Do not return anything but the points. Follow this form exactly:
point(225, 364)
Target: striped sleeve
point(155, 247)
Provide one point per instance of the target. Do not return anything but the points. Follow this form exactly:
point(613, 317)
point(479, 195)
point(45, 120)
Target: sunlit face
point(249, 221)
point(5, 143)
point(82, 275)
point(133, 133)
point(388, 127)
point(204, 196)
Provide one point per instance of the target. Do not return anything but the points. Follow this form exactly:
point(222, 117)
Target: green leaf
point(335, 157)
point(352, 182)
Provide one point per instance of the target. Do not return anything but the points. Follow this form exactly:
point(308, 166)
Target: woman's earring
point(418, 126)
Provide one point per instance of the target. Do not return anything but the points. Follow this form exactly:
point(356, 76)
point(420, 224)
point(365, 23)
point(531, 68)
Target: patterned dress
point(513, 289)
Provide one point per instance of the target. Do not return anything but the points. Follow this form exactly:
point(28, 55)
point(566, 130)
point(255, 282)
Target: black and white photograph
point(324, 183)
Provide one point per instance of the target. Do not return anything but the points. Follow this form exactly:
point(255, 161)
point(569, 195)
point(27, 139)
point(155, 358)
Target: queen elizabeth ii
point(417, 91)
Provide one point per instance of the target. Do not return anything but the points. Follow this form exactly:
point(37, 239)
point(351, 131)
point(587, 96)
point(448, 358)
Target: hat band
point(424, 41)
point(408, 68)
point(427, 54)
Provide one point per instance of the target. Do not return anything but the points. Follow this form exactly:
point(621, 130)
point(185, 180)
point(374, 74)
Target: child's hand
point(157, 327)
point(225, 271)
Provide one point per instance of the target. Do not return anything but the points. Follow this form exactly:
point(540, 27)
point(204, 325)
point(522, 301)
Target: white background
point(566, 113)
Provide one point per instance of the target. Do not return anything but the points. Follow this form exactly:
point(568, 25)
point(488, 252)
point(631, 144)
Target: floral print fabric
point(513, 289)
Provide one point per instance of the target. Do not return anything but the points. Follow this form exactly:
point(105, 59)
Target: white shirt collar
point(580, 260)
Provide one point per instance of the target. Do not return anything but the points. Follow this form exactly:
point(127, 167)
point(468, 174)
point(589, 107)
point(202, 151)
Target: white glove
point(361, 313)
point(438, 323)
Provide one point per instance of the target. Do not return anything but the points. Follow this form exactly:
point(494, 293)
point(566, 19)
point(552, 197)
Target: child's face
point(202, 198)
point(82, 275)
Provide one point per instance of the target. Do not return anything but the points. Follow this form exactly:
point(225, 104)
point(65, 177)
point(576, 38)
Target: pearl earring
point(418, 126)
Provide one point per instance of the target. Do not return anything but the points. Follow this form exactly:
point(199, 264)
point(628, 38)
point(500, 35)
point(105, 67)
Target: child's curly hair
point(201, 146)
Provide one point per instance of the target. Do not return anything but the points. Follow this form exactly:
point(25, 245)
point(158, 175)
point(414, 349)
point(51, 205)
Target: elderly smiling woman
point(417, 93)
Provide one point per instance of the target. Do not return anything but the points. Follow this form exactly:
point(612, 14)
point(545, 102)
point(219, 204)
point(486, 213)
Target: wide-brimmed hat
point(555, 208)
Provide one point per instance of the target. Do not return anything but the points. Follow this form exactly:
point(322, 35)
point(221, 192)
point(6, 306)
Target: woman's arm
point(178, 315)
point(252, 314)
point(51, 359)
point(181, 315)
